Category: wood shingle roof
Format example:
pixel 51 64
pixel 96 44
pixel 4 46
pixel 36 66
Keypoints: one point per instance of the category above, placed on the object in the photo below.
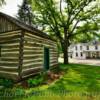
pixel 26 27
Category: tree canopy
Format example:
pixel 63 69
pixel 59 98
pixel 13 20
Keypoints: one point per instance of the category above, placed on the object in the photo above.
pixel 2 2
pixel 25 13
pixel 65 20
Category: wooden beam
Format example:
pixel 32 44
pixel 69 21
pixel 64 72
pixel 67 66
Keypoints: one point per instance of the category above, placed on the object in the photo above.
pixel 21 46
pixel 8 31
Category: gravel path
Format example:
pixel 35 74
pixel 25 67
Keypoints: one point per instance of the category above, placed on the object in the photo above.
pixel 87 61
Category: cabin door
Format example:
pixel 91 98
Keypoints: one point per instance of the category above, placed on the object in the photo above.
pixel 46 58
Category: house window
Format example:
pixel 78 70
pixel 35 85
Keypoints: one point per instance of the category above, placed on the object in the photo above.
pixel 80 47
pixel 87 47
pixel 81 54
pixel 71 56
pixel 76 47
pixel 76 54
pixel 96 47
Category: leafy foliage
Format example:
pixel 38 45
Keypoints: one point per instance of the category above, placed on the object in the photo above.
pixel 65 20
pixel 62 19
pixel 25 13
pixel 2 2
pixel 37 80
pixel 7 83
pixel 12 94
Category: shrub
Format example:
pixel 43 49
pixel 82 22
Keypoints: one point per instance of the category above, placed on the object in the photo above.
pixel 7 83
pixel 11 94
pixel 37 80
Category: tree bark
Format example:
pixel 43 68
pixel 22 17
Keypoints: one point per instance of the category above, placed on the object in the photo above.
pixel 66 61
pixel 65 52
pixel 66 44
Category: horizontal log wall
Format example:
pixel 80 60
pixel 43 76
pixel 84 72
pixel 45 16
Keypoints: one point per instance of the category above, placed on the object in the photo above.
pixel 6 26
pixel 33 58
pixel 9 60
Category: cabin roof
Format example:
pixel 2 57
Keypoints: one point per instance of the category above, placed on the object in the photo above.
pixel 26 27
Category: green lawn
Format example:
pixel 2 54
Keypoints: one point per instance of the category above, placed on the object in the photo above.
pixel 79 82
pixel 79 78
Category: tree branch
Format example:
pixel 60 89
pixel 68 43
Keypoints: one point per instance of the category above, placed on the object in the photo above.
pixel 81 8
pixel 75 26
pixel 62 19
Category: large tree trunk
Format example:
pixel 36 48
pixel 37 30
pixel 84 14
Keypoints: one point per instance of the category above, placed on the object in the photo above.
pixel 65 43
pixel 65 52
pixel 66 55
pixel 65 48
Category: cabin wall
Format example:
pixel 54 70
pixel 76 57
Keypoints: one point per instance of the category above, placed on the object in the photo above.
pixel 6 26
pixel 9 55
pixel 33 58
pixel 22 53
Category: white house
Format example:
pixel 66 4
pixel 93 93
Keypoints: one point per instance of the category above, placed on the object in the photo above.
pixel 89 50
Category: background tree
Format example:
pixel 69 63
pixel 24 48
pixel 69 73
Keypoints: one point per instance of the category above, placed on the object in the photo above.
pixel 25 13
pixel 61 18
pixel 2 2
pixel 88 32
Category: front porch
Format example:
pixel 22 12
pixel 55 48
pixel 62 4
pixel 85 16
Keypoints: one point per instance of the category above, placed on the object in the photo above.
pixel 92 55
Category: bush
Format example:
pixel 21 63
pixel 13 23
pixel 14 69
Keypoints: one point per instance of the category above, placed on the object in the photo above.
pixel 6 83
pixel 12 94
pixel 37 80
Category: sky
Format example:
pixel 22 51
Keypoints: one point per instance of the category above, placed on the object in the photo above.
pixel 11 7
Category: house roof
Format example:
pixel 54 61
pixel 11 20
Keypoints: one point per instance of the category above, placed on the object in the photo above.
pixel 26 27
pixel 86 44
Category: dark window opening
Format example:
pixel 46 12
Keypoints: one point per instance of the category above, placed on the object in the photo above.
pixel 80 47
pixel 76 54
pixel 71 56
pixel 81 54
pixel 96 47
pixel 87 47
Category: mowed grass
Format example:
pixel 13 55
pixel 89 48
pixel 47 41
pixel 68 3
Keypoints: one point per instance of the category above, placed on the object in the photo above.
pixel 79 82
pixel 79 78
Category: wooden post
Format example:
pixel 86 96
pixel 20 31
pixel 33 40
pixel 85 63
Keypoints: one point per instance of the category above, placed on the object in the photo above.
pixel 21 46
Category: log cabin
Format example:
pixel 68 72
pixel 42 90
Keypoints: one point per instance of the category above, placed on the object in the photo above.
pixel 24 50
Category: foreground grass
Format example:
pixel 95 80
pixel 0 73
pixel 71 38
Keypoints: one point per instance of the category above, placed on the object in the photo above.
pixel 79 82
pixel 79 78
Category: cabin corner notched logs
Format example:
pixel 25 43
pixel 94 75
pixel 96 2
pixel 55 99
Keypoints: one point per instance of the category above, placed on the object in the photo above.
pixel 22 49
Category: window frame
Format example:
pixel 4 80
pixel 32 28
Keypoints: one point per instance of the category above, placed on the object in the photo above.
pixel 75 47
pixel 81 47
pixel 87 47
pixel 76 54
pixel 96 47
pixel 81 54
